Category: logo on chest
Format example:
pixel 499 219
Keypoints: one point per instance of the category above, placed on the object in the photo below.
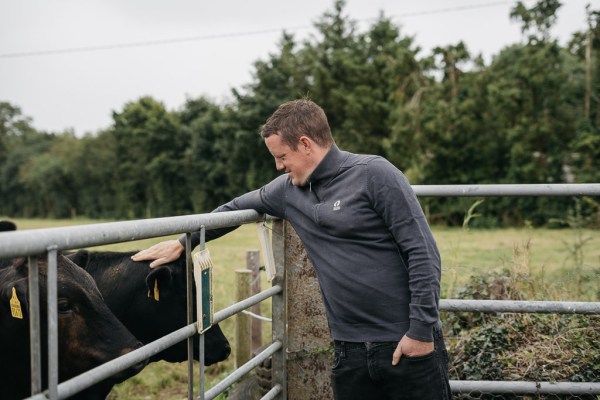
pixel 337 205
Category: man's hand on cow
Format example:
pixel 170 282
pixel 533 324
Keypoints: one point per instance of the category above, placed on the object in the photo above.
pixel 162 253
pixel 411 348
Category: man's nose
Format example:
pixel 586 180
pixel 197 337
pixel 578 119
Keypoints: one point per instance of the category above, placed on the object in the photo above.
pixel 279 165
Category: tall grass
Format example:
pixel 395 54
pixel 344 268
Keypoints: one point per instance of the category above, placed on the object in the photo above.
pixel 465 253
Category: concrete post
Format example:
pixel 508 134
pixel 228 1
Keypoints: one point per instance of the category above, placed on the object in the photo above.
pixel 309 348
pixel 279 359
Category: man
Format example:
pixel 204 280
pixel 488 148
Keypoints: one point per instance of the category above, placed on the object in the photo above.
pixel 375 256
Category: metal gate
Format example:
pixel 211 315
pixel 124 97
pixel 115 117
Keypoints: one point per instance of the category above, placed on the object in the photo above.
pixel 48 242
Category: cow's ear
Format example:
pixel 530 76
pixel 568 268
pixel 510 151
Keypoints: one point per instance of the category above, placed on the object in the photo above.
pixel 80 258
pixel 158 282
pixel 21 267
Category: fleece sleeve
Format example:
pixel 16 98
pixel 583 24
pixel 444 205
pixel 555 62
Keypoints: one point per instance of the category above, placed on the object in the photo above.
pixel 395 201
pixel 267 200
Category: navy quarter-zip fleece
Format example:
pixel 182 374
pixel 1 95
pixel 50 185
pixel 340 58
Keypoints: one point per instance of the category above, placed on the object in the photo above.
pixel 363 228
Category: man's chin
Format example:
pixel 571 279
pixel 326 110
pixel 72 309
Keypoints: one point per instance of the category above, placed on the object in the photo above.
pixel 298 182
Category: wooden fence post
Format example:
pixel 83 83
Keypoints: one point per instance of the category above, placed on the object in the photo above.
pixel 253 264
pixel 243 339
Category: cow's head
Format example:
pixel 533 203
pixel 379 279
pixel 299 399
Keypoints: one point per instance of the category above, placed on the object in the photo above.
pixel 88 332
pixel 167 291
pixel 151 302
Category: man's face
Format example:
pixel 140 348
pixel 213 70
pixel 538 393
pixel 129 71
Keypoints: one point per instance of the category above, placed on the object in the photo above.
pixel 296 163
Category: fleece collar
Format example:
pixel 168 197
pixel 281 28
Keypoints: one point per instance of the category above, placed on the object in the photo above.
pixel 329 166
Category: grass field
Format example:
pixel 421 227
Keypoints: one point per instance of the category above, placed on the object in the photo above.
pixel 566 262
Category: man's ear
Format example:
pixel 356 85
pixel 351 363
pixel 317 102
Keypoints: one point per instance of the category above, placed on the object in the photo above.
pixel 305 143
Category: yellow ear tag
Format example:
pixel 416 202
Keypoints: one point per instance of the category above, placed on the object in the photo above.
pixel 15 305
pixel 156 296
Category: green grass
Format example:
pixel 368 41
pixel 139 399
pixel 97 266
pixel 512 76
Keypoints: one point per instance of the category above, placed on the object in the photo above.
pixel 543 252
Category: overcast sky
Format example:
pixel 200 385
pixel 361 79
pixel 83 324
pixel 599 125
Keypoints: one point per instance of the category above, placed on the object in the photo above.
pixel 191 48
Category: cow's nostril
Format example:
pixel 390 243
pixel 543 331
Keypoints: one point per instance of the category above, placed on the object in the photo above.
pixel 140 366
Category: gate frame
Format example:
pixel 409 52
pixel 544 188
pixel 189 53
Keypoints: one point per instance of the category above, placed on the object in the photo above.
pixel 50 241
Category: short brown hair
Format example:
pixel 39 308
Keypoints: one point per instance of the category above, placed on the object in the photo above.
pixel 296 118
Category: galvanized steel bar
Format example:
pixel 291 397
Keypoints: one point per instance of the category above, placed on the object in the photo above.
pixel 95 375
pixel 241 371
pixel 249 302
pixel 273 393
pixel 202 348
pixel 36 241
pixel 189 281
pixel 35 355
pixel 520 387
pixel 52 324
pixel 510 306
pixel 511 190
pixel 201 340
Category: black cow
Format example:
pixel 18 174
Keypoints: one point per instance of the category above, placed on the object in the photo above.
pixel 7 226
pixel 88 332
pixel 128 289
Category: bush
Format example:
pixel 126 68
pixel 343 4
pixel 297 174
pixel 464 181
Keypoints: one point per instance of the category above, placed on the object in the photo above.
pixel 520 347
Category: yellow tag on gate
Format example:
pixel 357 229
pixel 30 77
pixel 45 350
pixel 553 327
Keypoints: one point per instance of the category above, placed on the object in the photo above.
pixel 156 294
pixel 15 305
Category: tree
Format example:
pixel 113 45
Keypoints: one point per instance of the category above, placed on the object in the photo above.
pixel 92 163
pixel 334 72
pixel 536 100
pixel 47 179
pixel 12 124
pixel 537 20
pixel 283 76
pixel 585 46
pixel 150 150
pixel 205 125
pixel 19 141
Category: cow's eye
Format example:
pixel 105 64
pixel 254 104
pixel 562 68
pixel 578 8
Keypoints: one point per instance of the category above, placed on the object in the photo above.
pixel 64 306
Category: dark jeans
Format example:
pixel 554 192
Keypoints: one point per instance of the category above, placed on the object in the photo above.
pixel 364 371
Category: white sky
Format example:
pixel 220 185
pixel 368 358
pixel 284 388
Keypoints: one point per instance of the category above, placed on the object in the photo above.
pixel 79 90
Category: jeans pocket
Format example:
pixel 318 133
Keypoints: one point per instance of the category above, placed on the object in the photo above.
pixel 424 357
pixel 337 359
